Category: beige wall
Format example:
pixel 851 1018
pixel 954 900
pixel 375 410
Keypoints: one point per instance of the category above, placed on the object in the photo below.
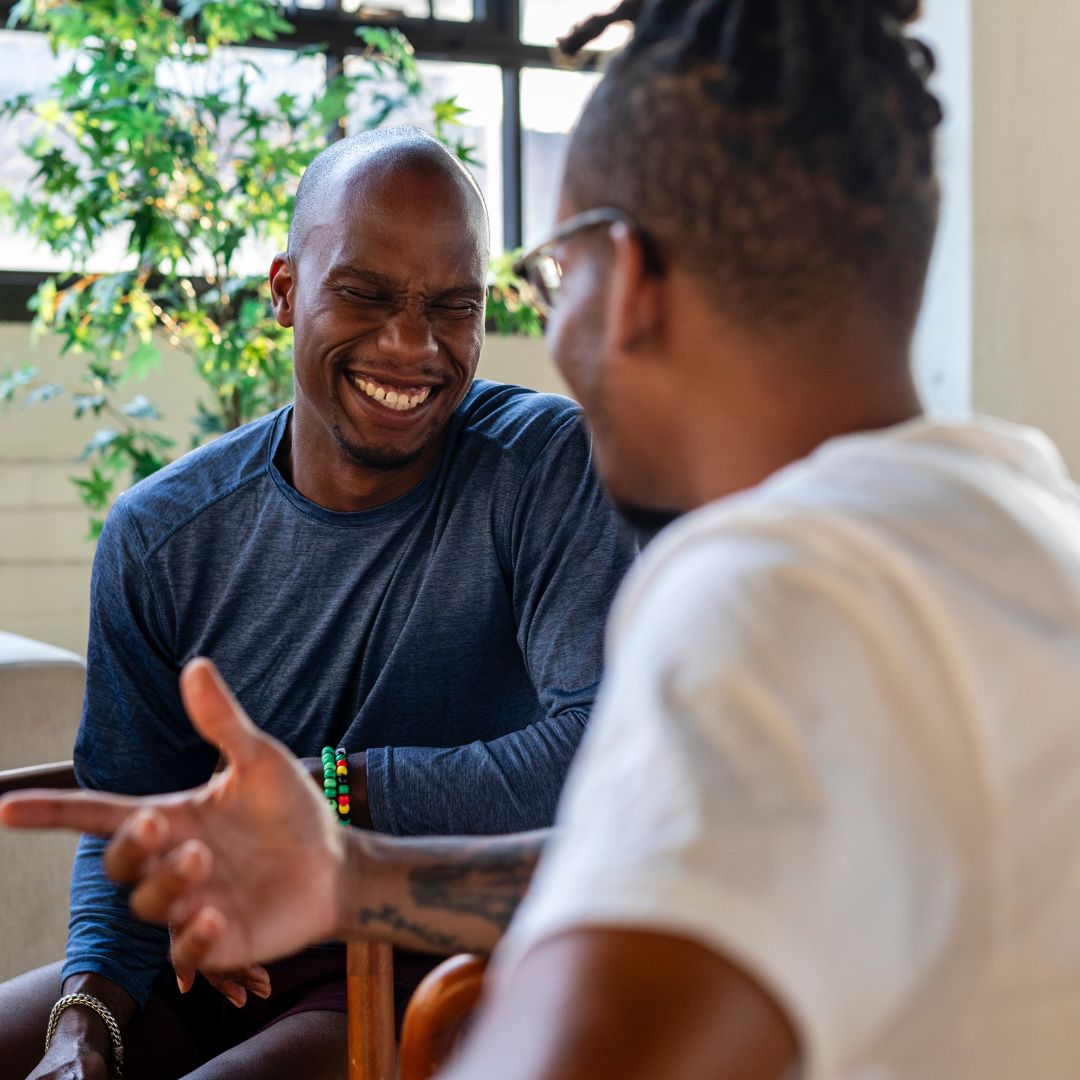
pixel 44 556
pixel 1026 198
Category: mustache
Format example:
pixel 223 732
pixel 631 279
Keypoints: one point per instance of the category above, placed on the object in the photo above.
pixel 646 522
pixel 354 360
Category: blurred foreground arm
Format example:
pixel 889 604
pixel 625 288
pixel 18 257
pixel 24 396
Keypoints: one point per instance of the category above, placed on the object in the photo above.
pixel 251 866
pixel 600 1003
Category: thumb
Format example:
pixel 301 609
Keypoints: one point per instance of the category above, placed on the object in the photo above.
pixel 217 715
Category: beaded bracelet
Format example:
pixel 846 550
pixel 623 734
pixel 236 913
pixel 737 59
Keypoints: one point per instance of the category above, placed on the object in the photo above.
pixel 330 783
pixel 342 772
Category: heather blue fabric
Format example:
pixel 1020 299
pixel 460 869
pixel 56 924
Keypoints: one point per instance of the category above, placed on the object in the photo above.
pixel 454 633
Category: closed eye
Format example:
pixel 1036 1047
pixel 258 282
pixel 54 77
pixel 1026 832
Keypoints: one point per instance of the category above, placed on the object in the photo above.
pixel 455 308
pixel 368 297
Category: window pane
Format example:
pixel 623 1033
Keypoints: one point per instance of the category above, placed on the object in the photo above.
pixel 26 67
pixel 542 21
pixel 477 88
pixel 551 102
pixel 455 10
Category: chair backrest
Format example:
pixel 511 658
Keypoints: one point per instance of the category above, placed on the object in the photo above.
pixel 439 1013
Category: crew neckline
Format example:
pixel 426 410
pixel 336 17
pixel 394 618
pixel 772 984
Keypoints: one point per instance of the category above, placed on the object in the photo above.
pixel 350 519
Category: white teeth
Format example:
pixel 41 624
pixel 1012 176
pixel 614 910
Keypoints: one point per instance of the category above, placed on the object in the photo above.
pixel 394 399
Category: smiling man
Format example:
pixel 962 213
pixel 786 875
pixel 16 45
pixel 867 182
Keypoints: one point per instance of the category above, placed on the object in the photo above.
pixel 405 563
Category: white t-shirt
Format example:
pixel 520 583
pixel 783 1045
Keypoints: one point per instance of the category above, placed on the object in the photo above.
pixel 839 743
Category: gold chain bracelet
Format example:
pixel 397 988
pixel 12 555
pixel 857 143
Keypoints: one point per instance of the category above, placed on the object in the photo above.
pixel 90 1002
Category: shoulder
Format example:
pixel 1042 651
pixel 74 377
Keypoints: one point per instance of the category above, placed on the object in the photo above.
pixel 157 507
pixel 896 506
pixel 837 538
pixel 516 422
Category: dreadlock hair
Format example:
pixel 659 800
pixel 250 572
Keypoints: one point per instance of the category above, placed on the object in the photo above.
pixel 782 151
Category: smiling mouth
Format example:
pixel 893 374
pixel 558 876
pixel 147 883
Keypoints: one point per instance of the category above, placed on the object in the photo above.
pixel 398 398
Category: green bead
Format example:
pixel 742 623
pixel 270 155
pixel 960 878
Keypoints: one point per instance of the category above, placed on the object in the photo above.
pixel 343 789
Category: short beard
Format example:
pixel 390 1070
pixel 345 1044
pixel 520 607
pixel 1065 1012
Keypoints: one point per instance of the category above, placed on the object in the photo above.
pixel 645 523
pixel 370 457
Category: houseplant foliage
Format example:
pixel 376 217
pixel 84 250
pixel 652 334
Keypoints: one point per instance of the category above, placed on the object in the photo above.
pixel 159 140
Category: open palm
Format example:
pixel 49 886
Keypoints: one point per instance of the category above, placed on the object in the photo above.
pixel 245 868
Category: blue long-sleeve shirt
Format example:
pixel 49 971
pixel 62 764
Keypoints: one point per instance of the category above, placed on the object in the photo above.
pixel 455 633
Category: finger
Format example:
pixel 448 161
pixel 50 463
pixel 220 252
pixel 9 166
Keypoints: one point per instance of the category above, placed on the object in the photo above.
pixel 177 875
pixel 138 840
pixel 217 715
pixel 82 811
pixel 185 976
pixel 255 978
pixel 196 939
pixel 185 973
pixel 228 988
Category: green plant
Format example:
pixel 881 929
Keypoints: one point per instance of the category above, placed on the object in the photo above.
pixel 156 138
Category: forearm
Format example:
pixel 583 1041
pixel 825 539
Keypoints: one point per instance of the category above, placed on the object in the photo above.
pixel 444 895
pixel 507 785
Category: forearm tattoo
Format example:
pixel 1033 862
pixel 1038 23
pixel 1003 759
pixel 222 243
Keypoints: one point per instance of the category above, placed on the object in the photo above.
pixel 389 917
pixel 487 885
pixel 450 881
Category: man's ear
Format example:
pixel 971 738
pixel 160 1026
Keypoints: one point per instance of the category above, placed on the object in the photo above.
pixel 282 288
pixel 635 307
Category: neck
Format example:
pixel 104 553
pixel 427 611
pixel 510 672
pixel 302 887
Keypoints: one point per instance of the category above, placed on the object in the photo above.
pixel 785 401
pixel 320 470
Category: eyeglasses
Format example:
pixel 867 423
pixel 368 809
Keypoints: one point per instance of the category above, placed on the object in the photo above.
pixel 541 270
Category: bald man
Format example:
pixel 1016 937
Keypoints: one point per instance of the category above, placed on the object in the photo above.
pixel 406 562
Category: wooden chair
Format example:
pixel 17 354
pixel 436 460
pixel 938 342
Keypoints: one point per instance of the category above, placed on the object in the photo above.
pixel 438 1015
pixel 369 965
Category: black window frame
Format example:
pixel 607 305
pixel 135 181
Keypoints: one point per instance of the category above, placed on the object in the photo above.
pixel 492 37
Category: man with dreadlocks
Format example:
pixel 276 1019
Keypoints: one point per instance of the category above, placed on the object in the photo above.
pixel 825 820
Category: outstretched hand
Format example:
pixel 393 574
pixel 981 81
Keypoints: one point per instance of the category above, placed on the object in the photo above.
pixel 246 868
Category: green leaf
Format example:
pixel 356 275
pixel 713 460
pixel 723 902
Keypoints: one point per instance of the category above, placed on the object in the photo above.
pixel 40 394
pixel 95 490
pixel 105 438
pixel 145 358
pixel 141 408
pixel 85 403
pixel 16 380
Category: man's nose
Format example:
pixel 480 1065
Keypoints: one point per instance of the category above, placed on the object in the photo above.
pixel 407 335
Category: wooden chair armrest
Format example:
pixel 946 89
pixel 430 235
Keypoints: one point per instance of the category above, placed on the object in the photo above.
pixel 56 774
pixel 438 1014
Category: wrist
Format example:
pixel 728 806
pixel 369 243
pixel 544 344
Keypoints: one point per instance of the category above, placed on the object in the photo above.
pixel 114 997
pixel 358 875
pixel 360 810
pixel 82 1032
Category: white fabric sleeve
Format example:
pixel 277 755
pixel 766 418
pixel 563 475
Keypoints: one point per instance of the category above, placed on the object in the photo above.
pixel 771 772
